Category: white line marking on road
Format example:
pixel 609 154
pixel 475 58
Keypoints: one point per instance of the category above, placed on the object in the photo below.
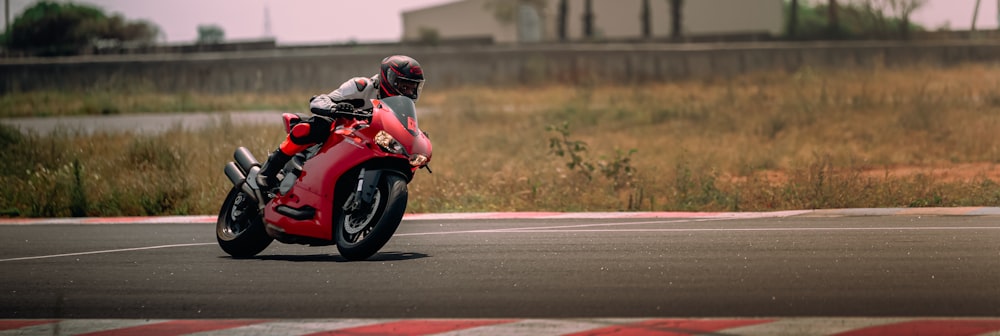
pixel 541 228
pixel 106 251
pixel 579 228
pixel 756 229
pixel 582 228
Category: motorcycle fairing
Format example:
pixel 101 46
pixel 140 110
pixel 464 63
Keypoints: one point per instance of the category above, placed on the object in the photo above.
pixel 348 148
pixel 316 190
pixel 402 121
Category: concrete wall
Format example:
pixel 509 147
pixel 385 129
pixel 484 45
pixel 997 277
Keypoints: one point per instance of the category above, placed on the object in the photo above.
pixel 321 70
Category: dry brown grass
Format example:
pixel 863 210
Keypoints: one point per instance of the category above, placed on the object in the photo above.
pixel 811 139
pixel 758 142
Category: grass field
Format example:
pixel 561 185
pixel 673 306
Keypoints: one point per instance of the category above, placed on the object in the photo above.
pixel 911 137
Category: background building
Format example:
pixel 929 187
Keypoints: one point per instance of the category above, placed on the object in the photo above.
pixel 525 21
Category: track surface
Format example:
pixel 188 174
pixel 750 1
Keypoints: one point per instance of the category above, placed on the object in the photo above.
pixel 843 272
pixel 802 266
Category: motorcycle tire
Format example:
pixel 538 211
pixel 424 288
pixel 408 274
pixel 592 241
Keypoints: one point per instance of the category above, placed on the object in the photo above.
pixel 240 229
pixel 363 239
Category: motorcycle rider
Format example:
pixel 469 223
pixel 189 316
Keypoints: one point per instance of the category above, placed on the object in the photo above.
pixel 398 75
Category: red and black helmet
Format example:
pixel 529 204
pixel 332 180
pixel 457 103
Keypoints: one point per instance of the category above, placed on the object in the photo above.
pixel 401 75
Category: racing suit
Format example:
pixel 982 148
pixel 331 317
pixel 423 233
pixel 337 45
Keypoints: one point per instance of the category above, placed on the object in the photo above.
pixel 354 94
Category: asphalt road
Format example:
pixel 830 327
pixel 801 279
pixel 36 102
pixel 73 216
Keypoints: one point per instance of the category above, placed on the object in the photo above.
pixel 939 266
pixel 142 123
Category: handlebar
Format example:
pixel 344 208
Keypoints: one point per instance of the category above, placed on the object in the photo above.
pixel 353 114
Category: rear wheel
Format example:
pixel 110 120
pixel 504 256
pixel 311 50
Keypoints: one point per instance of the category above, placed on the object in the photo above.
pixel 361 234
pixel 240 229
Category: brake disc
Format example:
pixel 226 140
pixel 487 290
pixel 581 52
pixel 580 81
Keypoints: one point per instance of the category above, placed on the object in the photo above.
pixel 352 224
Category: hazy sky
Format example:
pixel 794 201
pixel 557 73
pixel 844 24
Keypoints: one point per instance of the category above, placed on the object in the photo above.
pixel 310 21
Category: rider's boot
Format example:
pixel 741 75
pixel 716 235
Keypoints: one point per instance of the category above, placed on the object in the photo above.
pixel 267 179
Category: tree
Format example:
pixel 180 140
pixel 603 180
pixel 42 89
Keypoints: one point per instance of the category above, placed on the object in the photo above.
pixel 833 24
pixel 563 14
pixel 902 9
pixel 51 29
pixel 645 16
pixel 588 19
pixel 833 21
pixel 54 29
pixel 883 14
pixel 975 16
pixel 794 12
pixel 855 19
pixel 676 16
pixel 793 18
pixel 210 34
pixel 116 32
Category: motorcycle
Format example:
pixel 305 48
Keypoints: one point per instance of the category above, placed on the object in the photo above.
pixel 349 191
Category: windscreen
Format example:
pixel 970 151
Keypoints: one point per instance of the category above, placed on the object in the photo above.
pixel 405 111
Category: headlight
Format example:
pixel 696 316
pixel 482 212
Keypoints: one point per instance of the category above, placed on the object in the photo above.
pixel 418 160
pixel 388 143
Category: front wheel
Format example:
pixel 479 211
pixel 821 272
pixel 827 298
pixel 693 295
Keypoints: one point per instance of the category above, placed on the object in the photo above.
pixel 240 229
pixel 361 234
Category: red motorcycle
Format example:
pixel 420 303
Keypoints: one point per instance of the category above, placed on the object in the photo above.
pixel 349 191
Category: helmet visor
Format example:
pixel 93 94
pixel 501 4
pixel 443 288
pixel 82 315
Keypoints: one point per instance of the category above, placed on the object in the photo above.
pixel 408 87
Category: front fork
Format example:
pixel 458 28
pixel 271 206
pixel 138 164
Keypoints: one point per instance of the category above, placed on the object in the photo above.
pixel 365 193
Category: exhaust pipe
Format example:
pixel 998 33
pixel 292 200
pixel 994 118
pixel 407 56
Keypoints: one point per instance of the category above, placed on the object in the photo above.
pixel 245 160
pixel 235 174
pixel 239 179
